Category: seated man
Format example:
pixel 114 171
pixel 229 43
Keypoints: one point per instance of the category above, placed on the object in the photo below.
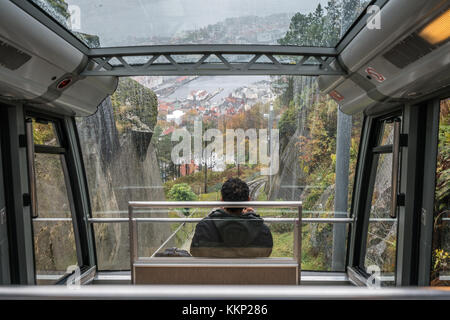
pixel 232 232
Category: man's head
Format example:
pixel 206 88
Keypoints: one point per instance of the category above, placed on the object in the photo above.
pixel 235 189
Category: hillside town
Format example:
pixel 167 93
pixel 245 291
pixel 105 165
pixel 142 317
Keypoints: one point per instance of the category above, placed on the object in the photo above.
pixel 209 103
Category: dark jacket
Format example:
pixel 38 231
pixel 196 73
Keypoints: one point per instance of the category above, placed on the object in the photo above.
pixel 223 235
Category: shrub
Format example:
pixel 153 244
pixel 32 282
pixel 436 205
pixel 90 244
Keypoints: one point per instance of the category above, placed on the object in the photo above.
pixel 182 192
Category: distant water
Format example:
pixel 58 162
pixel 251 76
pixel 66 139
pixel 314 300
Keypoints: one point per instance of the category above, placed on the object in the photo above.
pixel 212 83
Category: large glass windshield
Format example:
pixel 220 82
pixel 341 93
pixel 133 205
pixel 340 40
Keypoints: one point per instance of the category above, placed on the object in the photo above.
pixel 181 138
pixel 111 23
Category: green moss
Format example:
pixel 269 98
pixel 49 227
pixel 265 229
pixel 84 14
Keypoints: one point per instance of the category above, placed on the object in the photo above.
pixel 134 105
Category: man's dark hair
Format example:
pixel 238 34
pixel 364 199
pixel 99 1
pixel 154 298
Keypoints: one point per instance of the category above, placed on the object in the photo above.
pixel 234 189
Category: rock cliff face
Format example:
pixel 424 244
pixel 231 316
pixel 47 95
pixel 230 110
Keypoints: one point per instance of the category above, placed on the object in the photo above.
pixel 285 183
pixel 121 167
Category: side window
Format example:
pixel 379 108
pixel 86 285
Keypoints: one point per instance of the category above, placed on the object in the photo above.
pixel 53 228
pixel 381 235
pixel 381 239
pixel 440 265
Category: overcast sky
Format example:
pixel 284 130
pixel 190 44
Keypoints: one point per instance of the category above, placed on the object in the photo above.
pixel 119 19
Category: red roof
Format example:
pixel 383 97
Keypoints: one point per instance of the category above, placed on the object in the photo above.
pixel 168 131
pixel 230 99
pixel 180 79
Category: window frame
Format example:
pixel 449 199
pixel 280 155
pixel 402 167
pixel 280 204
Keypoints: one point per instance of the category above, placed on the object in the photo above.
pixel 375 151
pixel 429 191
pixel 361 202
pixel 74 177
pixel 417 171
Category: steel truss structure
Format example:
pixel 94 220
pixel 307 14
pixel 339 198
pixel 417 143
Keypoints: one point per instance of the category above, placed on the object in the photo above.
pixel 175 60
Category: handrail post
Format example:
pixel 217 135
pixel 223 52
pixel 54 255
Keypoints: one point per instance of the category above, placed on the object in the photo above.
pixel 395 168
pixel 31 167
pixel 133 240
pixel 298 242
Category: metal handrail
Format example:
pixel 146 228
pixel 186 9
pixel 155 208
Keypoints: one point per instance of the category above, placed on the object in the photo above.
pixel 212 204
pixel 195 220
pixel 234 292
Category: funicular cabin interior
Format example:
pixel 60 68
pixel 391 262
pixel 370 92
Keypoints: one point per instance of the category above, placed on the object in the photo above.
pixel 119 122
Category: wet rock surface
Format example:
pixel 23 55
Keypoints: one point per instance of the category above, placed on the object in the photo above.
pixel 121 166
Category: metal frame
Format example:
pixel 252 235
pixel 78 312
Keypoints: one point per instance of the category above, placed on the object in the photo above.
pixel 357 26
pixel 50 23
pixel 75 184
pixel 230 292
pixel 60 150
pixel 19 214
pixel 417 226
pixel 364 183
pixel 395 166
pixel 5 234
pixel 311 61
pixel 80 191
pixel 410 166
pixel 31 167
pixel 417 183
pixel 428 194
pixel 101 57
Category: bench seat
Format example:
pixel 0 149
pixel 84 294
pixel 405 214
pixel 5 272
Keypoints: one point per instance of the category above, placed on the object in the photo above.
pixel 191 270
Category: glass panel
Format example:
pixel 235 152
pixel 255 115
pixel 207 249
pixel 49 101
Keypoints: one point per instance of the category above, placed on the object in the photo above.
pixel 382 231
pixel 44 133
pixel 112 246
pixel 152 140
pixel 440 267
pixel 156 22
pixel 235 238
pixel 388 134
pixel 54 250
pixel 54 241
pixel 282 235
